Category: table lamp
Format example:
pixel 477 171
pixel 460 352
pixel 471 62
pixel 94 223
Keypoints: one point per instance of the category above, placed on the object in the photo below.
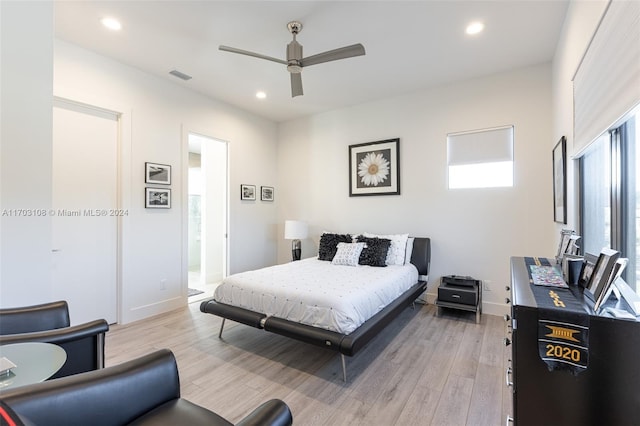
pixel 295 230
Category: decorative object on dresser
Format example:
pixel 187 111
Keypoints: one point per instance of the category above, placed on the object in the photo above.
pixel 568 244
pixel 460 292
pixel 324 304
pixel 295 230
pixel 374 168
pixel 580 370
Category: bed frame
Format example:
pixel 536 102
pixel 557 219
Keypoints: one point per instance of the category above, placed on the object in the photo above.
pixel 346 344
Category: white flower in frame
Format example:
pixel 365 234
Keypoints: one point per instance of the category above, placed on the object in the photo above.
pixel 373 169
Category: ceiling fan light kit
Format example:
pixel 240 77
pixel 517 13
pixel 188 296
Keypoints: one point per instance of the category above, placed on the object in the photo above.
pixel 295 61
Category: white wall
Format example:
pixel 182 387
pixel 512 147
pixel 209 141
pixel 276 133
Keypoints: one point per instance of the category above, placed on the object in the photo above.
pixel 159 114
pixel 26 117
pixel 580 23
pixel 474 232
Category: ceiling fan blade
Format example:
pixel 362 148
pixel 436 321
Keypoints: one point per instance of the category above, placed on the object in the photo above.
pixel 333 55
pixel 296 84
pixel 255 55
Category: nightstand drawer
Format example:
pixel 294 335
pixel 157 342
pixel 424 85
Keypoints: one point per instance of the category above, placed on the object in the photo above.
pixel 458 294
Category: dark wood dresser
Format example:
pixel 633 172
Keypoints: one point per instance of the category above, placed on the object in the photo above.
pixel 606 393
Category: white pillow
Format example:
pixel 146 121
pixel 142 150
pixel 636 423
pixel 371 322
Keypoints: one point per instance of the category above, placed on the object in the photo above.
pixel 397 249
pixel 348 254
pixel 409 251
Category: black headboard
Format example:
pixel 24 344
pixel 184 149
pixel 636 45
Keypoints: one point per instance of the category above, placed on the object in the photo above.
pixel 421 255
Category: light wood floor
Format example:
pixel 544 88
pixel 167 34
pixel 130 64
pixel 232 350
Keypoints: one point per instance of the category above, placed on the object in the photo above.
pixel 422 369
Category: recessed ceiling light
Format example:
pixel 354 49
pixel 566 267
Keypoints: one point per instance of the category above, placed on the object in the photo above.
pixel 112 24
pixel 261 95
pixel 475 28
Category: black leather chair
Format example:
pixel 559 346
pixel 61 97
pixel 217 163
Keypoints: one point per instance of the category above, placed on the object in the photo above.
pixel 49 323
pixel 144 391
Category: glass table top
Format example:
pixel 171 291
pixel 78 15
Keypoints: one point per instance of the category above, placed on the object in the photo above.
pixel 35 362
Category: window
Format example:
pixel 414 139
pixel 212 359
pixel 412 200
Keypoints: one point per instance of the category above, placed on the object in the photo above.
pixel 609 207
pixel 480 159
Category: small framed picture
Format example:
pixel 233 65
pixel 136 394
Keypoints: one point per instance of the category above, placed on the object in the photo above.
pixel 157 198
pixel 248 192
pixel 601 276
pixel 587 269
pixel 157 173
pixel 565 240
pixel 266 193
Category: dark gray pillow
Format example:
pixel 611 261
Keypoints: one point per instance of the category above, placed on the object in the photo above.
pixel 329 245
pixel 374 252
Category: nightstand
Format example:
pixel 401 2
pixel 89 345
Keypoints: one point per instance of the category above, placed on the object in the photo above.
pixel 460 292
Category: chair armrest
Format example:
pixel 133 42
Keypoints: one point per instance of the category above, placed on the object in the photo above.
pixel 115 395
pixel 272 413
pixel 84 345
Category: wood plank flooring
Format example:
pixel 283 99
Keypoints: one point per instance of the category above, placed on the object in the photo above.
pixel 422 369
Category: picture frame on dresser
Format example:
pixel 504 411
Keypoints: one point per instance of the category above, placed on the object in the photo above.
pixel 601 277
pixel 565 242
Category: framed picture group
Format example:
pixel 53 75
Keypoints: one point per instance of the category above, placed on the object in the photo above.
pixel 248 193
pixel 157 197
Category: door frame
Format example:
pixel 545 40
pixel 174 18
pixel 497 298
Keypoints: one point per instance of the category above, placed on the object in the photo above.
pixel 123 128
pixel 186 131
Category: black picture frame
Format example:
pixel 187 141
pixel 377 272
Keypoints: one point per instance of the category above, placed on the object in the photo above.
pixel 157 198
pixel 565 239
pixel 374 168
pixel 587 269
pixel 601 277
pixel 157 174
pixel 266 193
pixel 559 155
pixel 247 192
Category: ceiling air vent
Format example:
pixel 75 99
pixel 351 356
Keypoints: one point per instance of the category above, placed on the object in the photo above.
pixel 181 75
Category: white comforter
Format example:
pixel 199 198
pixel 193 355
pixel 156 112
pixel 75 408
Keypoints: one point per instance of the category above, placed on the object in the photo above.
pixel 317 293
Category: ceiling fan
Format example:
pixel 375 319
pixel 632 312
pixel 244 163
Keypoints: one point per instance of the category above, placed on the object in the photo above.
pixel 295 62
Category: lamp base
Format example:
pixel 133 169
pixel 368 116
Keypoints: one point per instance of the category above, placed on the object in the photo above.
pixel 296 249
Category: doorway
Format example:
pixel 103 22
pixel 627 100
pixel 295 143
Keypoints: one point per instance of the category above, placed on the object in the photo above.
pixel 207 215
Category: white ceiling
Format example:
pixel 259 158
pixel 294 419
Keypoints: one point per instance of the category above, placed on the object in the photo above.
pixel 410 45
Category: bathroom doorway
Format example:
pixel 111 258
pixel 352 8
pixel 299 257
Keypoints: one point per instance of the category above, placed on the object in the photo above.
pixel 207 219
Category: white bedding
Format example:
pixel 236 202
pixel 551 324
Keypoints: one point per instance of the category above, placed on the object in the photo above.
pixel 317 293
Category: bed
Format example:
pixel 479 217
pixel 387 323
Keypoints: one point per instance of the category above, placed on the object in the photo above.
pixel 378 295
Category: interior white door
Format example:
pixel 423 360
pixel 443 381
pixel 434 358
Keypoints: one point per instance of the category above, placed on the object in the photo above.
pixel 85 221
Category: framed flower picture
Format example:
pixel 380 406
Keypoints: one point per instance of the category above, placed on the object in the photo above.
pixel 374 168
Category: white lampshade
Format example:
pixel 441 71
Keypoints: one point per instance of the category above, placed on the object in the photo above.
pixel 295 230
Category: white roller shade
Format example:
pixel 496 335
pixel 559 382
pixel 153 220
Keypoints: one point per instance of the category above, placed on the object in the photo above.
pixel 607 83
pixel 482 146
